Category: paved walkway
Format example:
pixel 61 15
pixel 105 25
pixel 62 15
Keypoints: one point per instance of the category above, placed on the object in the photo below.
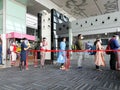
pixel 51 78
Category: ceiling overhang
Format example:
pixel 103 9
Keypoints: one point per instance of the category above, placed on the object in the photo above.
pixel 87 8
pixel 26 2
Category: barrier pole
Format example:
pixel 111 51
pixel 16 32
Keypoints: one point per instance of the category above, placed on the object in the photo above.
pixel 27 61
pixel 35 60
pixel 67 63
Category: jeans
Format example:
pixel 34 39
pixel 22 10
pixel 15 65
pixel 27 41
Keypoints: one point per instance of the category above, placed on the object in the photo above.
pixel 113 59
pixel 80 58
pixel 0 59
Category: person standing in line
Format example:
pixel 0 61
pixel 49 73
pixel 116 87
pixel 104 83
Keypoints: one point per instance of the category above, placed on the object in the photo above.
pixel 114 45
pixel 13 53
pixel 23 53
pixel 1 53
pixel 43 47
pixel 79 45
pixel 95 42
pixel 62 54
pixel 99 56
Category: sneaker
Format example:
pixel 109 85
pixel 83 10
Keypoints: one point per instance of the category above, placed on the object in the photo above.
pixel 99 69
pixel 80 67
pixel 62 67
pixel 118 69
pixel 20 68
pixel 35 66
pixel 26 69
pixel 42 66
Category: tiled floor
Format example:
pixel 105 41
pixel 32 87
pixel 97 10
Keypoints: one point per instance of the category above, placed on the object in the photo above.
pixel 51 78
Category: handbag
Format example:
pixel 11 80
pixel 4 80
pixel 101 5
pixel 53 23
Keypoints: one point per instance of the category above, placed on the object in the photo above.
pixel 60 59
pixel 108 48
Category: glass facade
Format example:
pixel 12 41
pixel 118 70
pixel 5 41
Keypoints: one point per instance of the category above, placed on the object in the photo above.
pixel 15 17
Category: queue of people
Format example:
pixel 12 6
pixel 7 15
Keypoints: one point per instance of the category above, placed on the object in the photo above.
pixel 23 52
pixel 99 56
pixel 25 45
pixel 99 59
pixel 114 61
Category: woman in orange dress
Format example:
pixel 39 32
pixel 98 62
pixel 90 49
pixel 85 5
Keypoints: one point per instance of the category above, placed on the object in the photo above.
pixel 99 56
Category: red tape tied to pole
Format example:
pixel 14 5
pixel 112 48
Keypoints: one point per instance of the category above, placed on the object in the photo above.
pixel 73 50
pixel 67 64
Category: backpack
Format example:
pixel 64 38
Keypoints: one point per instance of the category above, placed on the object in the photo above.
pixel 74 47
pixel 93 52
pixel 77 45
pixel 108 48
pixel 14 48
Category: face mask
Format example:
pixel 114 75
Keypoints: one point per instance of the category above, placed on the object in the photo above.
pixel 117 38
pixel 100 41
pixel 82 37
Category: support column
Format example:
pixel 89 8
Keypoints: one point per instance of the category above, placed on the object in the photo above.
pixel 14 20
pixel 70 40
pixel 4 34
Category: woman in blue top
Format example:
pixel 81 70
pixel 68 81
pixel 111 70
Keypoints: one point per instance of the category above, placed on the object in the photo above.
pixel 62 54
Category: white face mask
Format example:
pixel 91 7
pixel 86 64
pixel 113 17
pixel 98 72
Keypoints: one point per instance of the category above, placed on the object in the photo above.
pixel 13 43
pixel 21 40
pixel 100 41
pixel 117 37
pixel 82 37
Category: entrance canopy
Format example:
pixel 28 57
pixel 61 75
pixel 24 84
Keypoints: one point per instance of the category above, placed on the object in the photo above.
pixel 20 36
